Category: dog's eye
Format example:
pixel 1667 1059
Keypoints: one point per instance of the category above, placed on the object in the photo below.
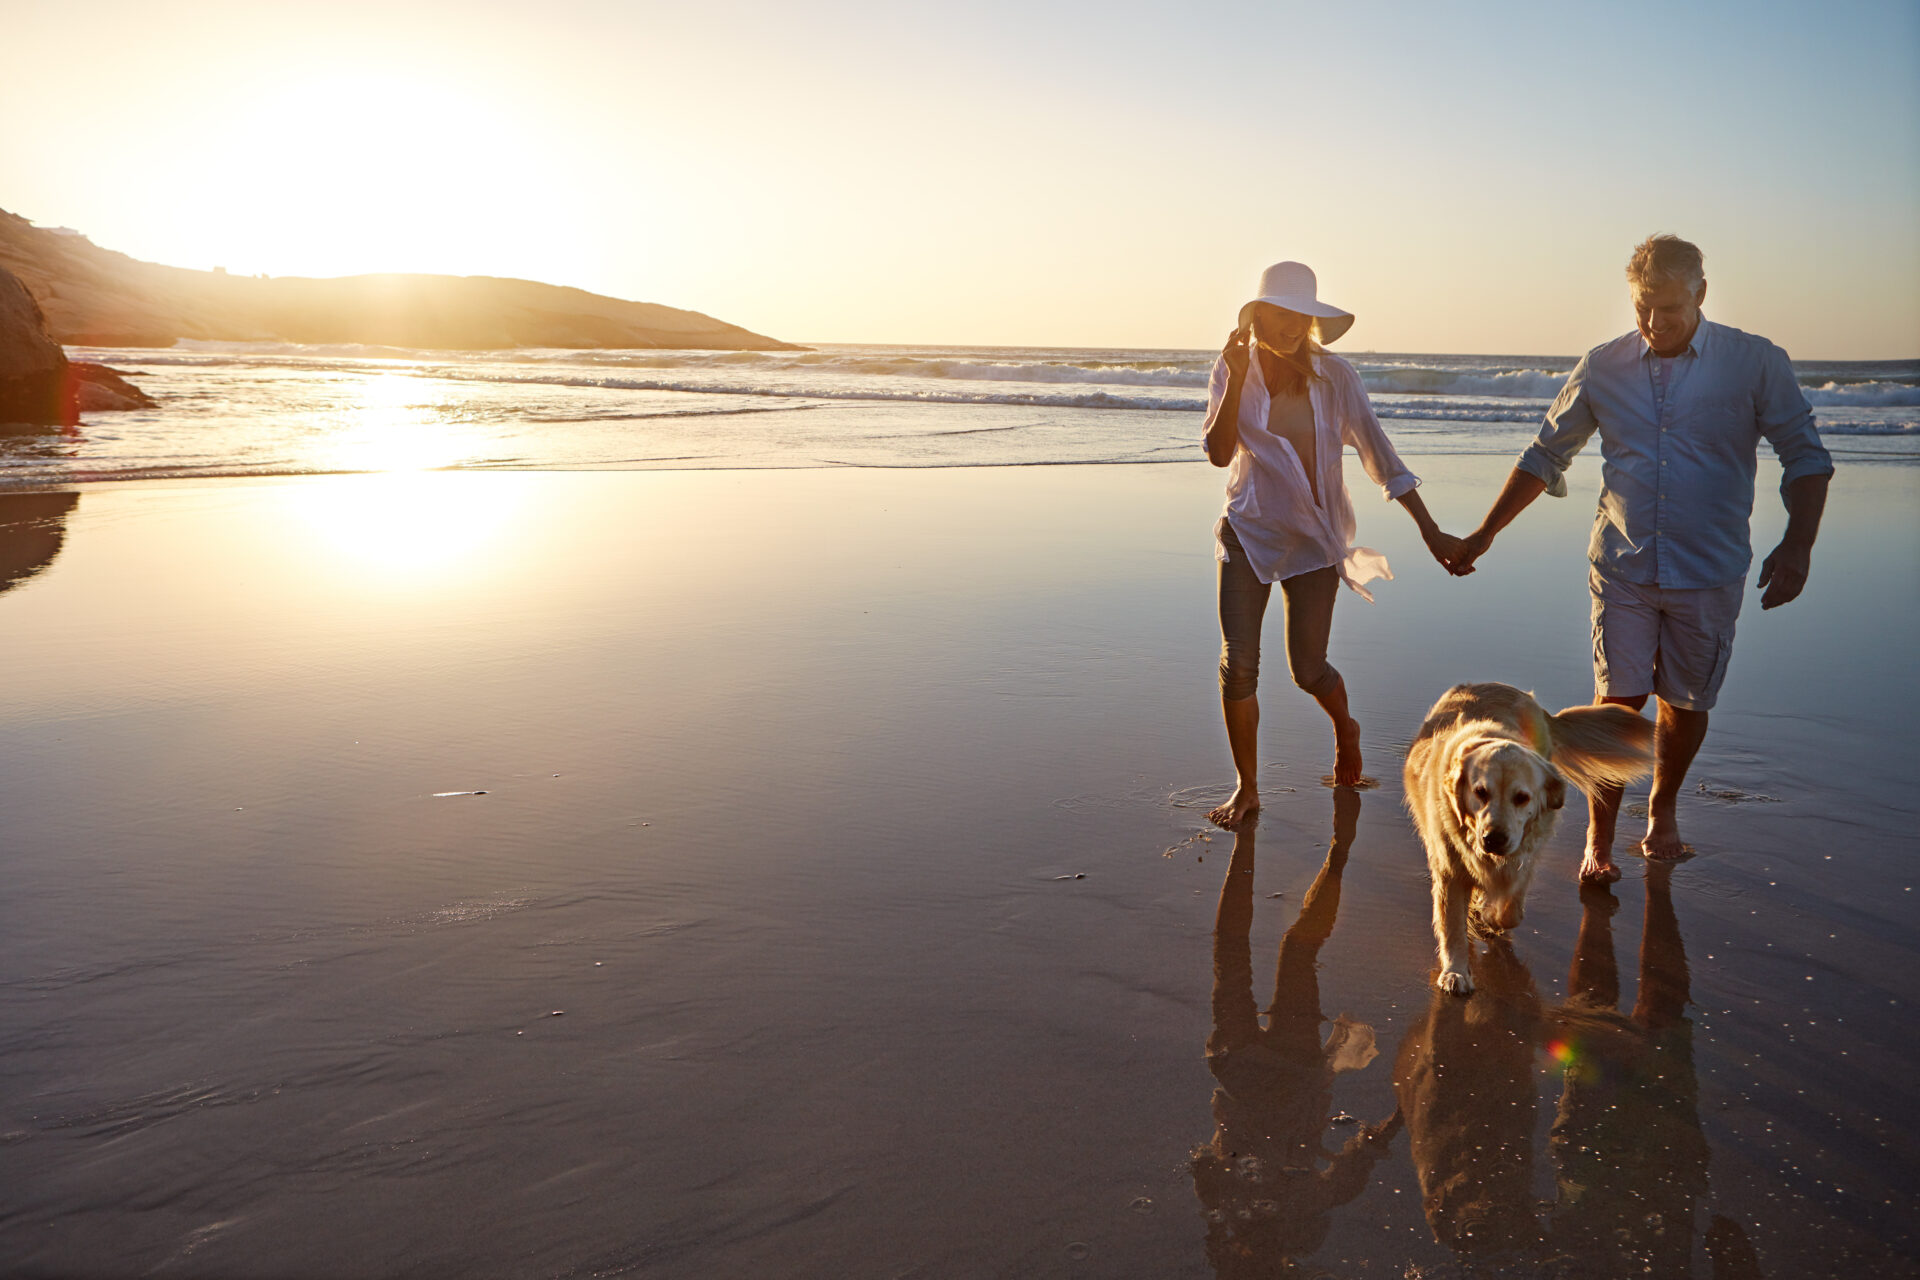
pixel 1481 793
pixel 1519 797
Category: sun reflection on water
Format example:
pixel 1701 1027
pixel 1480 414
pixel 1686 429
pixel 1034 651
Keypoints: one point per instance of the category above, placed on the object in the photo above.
pixel 408 525
pixel 390 422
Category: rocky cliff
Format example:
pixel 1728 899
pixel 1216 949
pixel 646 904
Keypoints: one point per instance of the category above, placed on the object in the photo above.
pixel 34 385
pixel 96 297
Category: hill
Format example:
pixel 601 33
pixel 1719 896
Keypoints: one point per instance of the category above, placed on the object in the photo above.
pixel 96 297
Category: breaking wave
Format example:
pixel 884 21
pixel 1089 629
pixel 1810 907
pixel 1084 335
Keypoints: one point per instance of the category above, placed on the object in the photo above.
pixel 1531 384
pixel 841 373
pixel 1865 395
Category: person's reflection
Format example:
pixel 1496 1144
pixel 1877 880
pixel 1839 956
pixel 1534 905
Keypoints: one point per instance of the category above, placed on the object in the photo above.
pixel 1626 1141
pixel 1632 1160
pixel 33 526
pixel 1260 1179
pixel 1464 1078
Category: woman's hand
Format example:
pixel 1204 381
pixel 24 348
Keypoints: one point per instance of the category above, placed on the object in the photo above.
pixel 1222 436
pixel 1447 549
pixel 1237 353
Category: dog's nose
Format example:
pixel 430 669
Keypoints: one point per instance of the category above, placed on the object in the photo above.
pixel 1494 841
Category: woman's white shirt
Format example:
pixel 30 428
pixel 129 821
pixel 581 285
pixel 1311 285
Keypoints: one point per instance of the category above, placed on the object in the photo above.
pixel 1269 502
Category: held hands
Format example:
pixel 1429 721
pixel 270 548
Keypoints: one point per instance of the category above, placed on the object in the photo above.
pixel 1466 551
pixel 1784 574
pixel 1446 548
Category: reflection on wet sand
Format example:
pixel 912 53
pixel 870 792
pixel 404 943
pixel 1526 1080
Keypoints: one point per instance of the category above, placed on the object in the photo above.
pixel 1630 1159
pixel 1266 1196
pixel 1464 1078
pixel 33 528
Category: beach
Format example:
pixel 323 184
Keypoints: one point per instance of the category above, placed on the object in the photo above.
pixel 802 871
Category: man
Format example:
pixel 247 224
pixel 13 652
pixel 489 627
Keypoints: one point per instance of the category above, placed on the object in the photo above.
pixel 1681 406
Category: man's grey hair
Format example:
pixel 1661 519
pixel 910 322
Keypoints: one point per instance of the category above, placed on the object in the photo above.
pixel 1664 260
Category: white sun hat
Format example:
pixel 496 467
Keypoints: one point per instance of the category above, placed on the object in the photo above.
pixel 1291 285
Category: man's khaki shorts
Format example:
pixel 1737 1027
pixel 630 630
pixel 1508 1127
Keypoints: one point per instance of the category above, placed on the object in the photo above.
pixel 1650 639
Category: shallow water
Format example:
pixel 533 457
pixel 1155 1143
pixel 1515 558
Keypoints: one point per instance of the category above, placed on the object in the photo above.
pixel 252 409
pixel 803 874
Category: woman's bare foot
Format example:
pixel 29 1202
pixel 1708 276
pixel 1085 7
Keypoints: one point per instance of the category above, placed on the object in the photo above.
pixel 1597 868
pixel 1346 754
pixel 1244 801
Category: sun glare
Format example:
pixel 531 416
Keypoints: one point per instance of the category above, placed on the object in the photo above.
pixel 350 170
pixel 388 422
pixel 406 527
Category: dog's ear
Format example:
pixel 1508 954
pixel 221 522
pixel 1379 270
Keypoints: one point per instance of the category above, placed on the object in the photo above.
pixel 1457 793
pixel 1556 789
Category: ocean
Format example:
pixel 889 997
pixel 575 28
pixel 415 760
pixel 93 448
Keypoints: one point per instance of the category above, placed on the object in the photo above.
pixel 248 409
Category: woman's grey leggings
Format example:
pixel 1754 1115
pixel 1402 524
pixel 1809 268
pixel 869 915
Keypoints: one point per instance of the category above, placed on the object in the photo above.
pixel 1243 604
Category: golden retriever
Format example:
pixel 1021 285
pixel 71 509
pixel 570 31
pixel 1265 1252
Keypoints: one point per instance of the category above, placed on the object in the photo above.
pixel 1486 778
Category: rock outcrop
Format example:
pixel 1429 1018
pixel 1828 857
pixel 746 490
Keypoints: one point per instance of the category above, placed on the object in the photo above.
pixel 97 389
pixel 34 385
pixel 96 297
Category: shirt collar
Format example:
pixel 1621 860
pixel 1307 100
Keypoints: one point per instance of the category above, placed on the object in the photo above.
pixel 1696 346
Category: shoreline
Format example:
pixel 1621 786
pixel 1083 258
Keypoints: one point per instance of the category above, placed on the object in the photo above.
pixel 858 406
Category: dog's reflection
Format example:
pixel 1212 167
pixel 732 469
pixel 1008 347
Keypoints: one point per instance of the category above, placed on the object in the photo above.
pixel 1630 1160
pixel 1464 1078
pixel 1267 1180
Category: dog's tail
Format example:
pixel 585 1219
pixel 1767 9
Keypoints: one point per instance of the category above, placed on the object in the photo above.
pixel 1602 745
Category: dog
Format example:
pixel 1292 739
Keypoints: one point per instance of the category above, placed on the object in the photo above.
pixel 1486 779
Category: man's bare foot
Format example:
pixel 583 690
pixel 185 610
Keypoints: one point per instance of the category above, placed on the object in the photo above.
pixel 1346 754
pixel 1662 842
pixel 1244 801
pixel 1664 845
pixel 1597 869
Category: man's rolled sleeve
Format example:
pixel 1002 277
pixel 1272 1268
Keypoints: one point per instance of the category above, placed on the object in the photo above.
pixel 1568 426
pixel 1786 420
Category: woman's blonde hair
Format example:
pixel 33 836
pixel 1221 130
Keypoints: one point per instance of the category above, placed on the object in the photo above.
pixel 1296 369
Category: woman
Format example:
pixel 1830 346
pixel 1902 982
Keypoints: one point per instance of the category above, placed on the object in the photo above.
pixel 1279 409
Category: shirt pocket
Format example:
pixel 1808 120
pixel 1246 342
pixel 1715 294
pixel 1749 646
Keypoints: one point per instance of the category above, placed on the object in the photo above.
pixel 1722 418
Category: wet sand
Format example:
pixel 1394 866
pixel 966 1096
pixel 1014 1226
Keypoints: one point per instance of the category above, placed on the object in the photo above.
pixel 804 874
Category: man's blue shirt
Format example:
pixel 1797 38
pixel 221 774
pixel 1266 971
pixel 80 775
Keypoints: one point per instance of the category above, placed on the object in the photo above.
pixel 1679 447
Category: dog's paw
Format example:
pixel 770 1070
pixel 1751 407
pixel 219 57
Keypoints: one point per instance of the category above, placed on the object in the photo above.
pixel 1480 926
pixel 1455 982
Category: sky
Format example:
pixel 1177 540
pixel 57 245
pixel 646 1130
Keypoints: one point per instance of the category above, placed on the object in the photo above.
pixel 1464 178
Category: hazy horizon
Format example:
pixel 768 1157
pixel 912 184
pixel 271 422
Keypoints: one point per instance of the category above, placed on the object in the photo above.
pixel 1466 182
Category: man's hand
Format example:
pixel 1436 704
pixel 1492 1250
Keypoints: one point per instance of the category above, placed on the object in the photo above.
pixel 1237 352
pixel 1784 573
pixel 1470 549
pixel 1521 488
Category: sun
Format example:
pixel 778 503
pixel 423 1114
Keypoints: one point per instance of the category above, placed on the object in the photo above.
pixel 344 171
